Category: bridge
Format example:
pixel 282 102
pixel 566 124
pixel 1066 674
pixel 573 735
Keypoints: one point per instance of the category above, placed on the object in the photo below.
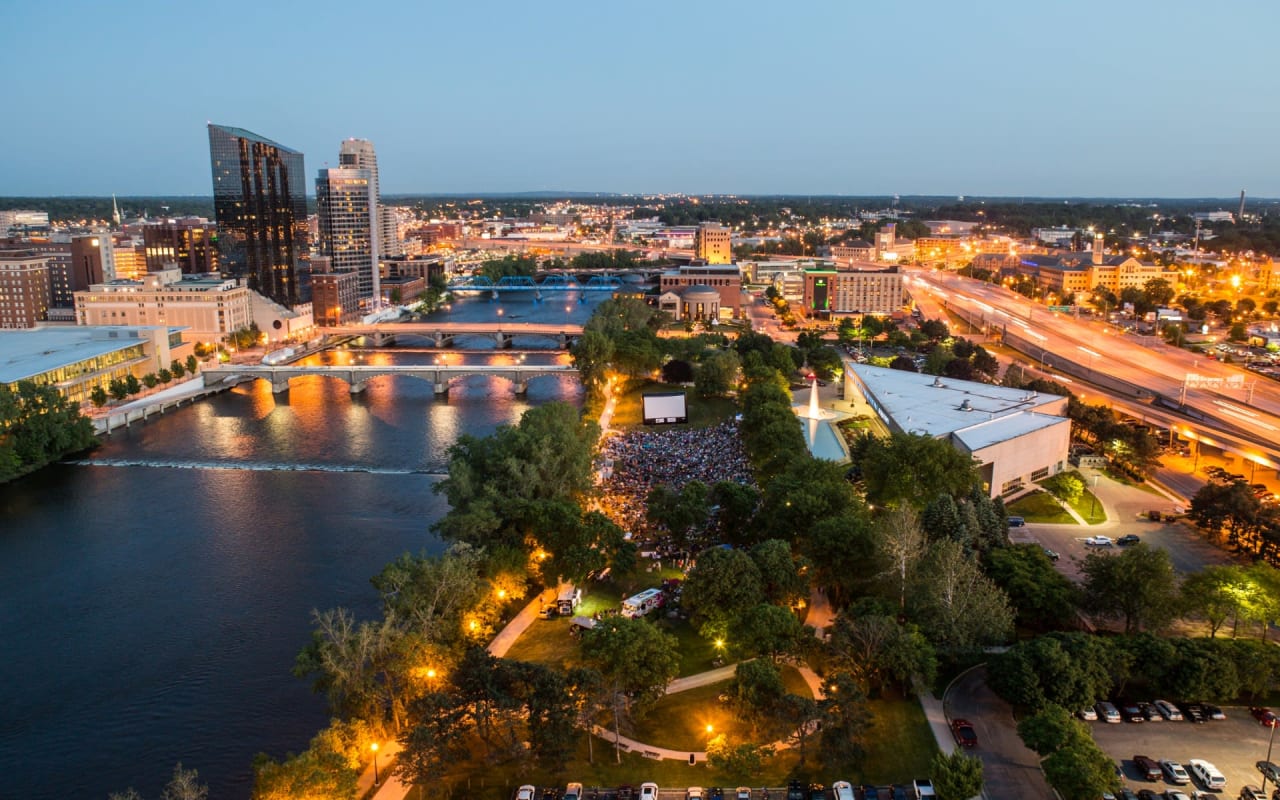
pixel 358 377
pixel 443 333
pixel 479 284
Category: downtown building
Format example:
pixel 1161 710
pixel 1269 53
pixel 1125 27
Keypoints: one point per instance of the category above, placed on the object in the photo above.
pixel 24 289
pixel 861 288
pixel 347 215
pixel 260 202
pixel 359 154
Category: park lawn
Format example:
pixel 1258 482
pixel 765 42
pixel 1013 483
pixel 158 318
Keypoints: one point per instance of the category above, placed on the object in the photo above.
pixel 703 412
pixel 1089 509
pixel 900 745
pixel 1039 506
pixel 696 653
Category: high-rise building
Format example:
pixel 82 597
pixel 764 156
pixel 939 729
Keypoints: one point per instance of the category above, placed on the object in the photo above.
pixel 359 153
pixel 92 260
pixel 260 201
pixel 347 211
pixel 189 242
pixel 24 289
pixel 713 244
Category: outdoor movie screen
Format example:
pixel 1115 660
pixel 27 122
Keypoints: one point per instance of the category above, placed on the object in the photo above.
pixel 665 409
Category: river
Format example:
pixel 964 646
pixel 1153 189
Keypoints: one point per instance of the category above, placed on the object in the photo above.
pixel 153 596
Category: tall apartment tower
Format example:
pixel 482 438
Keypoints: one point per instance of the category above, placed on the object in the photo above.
pixel 347 212
pixel 713 244
pixel 260 200
pixel 359 153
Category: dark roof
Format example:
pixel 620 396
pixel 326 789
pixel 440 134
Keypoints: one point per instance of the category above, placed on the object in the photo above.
pixel 241 133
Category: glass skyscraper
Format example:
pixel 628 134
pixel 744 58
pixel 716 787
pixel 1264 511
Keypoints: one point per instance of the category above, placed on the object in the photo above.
pixel 260 200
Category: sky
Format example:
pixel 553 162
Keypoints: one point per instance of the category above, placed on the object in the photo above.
pixel 1124 98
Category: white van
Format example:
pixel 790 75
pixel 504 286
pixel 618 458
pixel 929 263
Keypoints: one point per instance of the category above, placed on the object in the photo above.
pixel 843 790
pixel 1169 710
pixel 1207 774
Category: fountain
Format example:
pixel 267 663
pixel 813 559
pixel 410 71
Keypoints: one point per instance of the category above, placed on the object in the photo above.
pixel 812 411
pixel 820 434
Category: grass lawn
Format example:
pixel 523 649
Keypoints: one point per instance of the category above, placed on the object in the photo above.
pixel 900 745
pixel 1039 507
pixel 696 653
pixel 702 412
pixel 1090 509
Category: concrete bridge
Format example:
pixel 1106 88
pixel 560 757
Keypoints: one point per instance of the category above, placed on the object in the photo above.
pixel 357 377
pixel 443 333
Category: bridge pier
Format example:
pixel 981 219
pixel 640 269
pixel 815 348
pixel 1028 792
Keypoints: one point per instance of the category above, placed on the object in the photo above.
pixel 384 339
pixel 522 388
pixel 443 340
pixel 504 340
pixel 279 385
pixel 441 387
pixel 357 387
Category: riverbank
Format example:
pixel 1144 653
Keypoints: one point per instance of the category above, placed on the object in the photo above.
pixel 170 398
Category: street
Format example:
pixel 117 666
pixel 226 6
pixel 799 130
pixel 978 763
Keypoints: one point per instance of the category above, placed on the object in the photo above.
pixel 1010 770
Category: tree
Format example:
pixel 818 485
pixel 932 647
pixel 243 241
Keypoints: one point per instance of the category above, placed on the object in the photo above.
pixel 184 785
pixel 164 375
pixel 1071 670
pixel 735 505
pixel 757 690
pixel 1214 593
pixel 1081 771
pixel 740 762
pixel 682 513
pixel 150 380
pixel 771 631
pixel 1136 586
pixel 329 767
pixel 632 656
pixel 37 426
pixel 677 371
pixel 1042 597
pixel 911 468
pixel 780 574
pixel 1050 729
pixel 722 586
pixel 956 776
pixel 119 389
pixel 717 374
pixel 1158 292
pixel 1066 486
pixel 903 363
pixel 132 384
pixel 98 397
pixel 192 364
pixel 902 545
pixel 591 356
pixel 844 718
pixel 957 606
pixel 878 650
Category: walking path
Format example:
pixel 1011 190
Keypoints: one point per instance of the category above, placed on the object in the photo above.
pixel 821 616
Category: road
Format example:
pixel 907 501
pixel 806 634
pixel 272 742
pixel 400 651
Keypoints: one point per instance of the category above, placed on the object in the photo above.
pixel 1010 770
pixel 1102 352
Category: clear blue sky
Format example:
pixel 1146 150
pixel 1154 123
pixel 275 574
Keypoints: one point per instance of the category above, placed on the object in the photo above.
pixel 997 97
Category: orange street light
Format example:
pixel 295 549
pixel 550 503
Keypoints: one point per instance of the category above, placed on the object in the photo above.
pixel 374 748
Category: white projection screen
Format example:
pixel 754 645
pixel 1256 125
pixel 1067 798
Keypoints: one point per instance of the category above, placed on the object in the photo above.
pixel 665 409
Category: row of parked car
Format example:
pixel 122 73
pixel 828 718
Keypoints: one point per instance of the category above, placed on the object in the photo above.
pixel 1207 775
pixel 1160 710
pixel 920 789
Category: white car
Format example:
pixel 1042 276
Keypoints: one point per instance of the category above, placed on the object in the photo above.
pixel 742 793
pixel 924 789
pixel 1098 541
pixel 648 791
pixel 1168 710
pixel 573 791
pixel 843 790
pixel 525 792
pixel 1174 772
pixel 694 793
pixel 1208 775
pixel 1088 714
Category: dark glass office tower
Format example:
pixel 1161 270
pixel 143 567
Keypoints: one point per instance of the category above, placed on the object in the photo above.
pixel 260 200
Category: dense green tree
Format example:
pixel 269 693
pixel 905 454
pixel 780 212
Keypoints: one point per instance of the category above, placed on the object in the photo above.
pixel 592 354
pixel 98 397
pixel 807 491
pixel 329 767
pixel 177 368
pixel 509 266
pixel 150 380
pixel 1136 586
pixel 826 363
pixel 741 762
pixel 911 468
pixel 1214 593
pixel 722 586
pixel 845 720
pixel 119 389
pixel 636 662
pixel 838 549
pixel 131 384
pixel 956 776
pixel 1051 728
pixel 780 572
pixel 1066 486
pixel 164 375
pixel 1042 597
pixel 1081 771
pixel 717 374
pixel 880 652
pixel 904 363
pixel 735 508
pixel 757 691
pixel 683 514
pixel 676 370
pixel 956 605
pixel 192 364
pixel 770 630
pixel 37 426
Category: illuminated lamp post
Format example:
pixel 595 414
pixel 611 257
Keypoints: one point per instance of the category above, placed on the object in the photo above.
pixel 374 748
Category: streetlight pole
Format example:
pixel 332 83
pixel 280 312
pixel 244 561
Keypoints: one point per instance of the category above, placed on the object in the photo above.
pixel 374 748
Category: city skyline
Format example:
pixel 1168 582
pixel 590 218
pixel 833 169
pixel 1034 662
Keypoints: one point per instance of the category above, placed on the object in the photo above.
pixel 1132 100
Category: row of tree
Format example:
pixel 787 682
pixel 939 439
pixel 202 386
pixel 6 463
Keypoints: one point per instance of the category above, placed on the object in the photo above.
pixel 120 388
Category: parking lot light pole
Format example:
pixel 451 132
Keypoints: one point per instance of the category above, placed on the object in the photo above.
pixel 1270 741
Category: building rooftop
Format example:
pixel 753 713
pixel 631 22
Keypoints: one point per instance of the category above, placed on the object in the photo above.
pixel 26 353
pixel 244 134
pixel 936 406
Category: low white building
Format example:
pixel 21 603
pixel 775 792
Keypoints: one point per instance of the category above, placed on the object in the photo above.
pixel 1015 436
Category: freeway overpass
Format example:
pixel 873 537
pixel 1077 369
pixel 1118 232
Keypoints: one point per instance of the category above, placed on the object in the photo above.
pixel 358 377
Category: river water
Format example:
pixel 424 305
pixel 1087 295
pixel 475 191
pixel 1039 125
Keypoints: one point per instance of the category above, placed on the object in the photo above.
pixel 154 595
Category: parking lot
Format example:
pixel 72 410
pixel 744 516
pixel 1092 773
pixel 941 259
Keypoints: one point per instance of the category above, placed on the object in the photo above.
pixel 1233 744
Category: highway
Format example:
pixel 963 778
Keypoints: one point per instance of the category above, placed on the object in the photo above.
pixel 1244 413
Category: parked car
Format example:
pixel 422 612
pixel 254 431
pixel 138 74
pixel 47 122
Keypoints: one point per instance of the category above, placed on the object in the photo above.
pixel 965 735
pixel 1175 772
pixel 1175 794
pixel 694 793
pixel 525 792
pixel 648 791
pixel 1264 716
pixel 1169 710
pixel 817 791
pixel 572 791
pixel 1016 522
pixel 1252 792
pixel 744 793
pixel 1128 539
pixel 1088 714
pixel 1127 794
pixel 1107 712
pixel 1150 712
pixel 924 789
pixel 795 791
pixel 1097 541
pixel 1213 712
pixel 1208 775
pixel 1270 770
pixel 1147 794
pixel 1193 712
pixel 1148 768
pixel 843 790
pixel 1131 713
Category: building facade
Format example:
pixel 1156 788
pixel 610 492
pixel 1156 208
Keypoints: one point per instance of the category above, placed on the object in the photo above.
pixel 347 213
pixel 190 242
pixel 725 279
pixel 260 202
pixel 24 289
pixel 335 298
pixel 862 289
pixel 713 244
pixel 359 154
pixel 207 307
